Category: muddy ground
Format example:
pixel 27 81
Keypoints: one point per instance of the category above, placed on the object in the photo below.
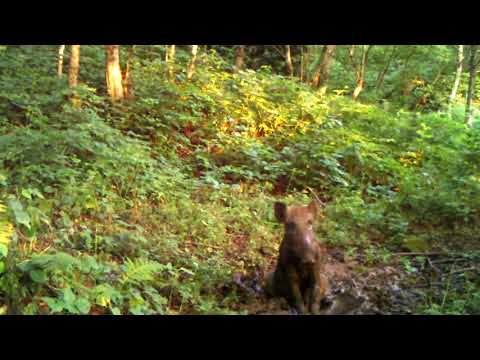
pixel 358 288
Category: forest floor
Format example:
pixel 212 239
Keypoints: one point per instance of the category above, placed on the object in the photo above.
pixel 357 287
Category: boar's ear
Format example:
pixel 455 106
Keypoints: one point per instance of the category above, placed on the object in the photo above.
pixel 280 211
pixel 313 208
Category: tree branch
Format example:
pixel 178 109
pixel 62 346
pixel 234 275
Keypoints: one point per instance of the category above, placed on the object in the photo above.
pixel 280 52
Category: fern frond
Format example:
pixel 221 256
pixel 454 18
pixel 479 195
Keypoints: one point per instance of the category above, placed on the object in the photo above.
pixel 139 271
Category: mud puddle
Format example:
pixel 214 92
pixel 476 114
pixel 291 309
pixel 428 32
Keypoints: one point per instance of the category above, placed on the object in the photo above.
pixel 354 289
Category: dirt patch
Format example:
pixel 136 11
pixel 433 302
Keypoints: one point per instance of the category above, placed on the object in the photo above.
pixel 353 289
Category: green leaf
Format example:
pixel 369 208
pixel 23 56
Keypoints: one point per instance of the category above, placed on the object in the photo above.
pixel 67 222
pixel 37 193
pixel 71 308
pixel 64 260
pixel 25 266
pixel 27 193
pixel 54 305
pixel 21 217
pixel 68 296
pixel 3 250
pixel 39 276
pixel 49 189
pixel 116 311
pixel 2 267
pixel 83 305
pixel 137 310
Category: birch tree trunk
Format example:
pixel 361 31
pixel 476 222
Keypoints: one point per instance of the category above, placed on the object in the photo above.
pixel 471 85
pixel 458 75
pixel 61 50
pixel 288 58
pixel 170 63
pixel 191 65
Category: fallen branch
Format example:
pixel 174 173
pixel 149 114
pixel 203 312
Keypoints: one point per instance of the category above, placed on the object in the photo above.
pixel 437 270
pixel 420 254
pixel 449 260
pixel 464 270
pixel 427 285
pixel 205 245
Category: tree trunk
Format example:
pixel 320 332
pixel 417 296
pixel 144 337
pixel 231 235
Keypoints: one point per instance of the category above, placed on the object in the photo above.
pixel 240 57
pixel 351 54
pixel 306 62
pixel 74 66
pixel 114 73
pixel 128 86
pixel 407 86
pixel 61 49
pixel 360 81
pixel 73 72
pixel 471 85
pixel 382 74
pixel 322 74
pixel 301 63
pixel 359 84
pixel 288 57
pixel 170 63
pixel 191 66
pixel 458 75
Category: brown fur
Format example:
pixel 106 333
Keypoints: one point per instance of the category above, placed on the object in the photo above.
pixel 299 273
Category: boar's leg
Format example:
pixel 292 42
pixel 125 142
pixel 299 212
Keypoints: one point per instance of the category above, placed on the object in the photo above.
pixel 296 294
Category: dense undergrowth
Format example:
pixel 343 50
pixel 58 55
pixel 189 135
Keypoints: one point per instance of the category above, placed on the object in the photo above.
pixel 150 207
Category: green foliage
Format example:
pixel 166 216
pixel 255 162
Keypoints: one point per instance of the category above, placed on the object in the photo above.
pixel 150 207
pixel 465 302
